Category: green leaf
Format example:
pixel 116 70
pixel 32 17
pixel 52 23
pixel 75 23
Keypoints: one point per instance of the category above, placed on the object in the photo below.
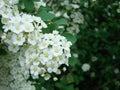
pixel 70 78
pixel 73 61
pixel 50 28
pixel 70 37
pixel 61 22
pixel 70 87
pixel 29 5
pixel 46 16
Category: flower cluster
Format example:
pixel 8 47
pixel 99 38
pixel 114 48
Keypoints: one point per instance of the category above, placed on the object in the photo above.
pixel 11 76
pixel 41 54
pixel 19 28
pixel 47 55
pixel 71 11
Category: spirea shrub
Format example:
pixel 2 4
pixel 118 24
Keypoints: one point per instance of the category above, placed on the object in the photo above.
pixel 59 45
pixel 37 51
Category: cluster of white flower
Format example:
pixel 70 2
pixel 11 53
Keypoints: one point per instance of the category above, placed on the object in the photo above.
pixel 85 67
pixel 41 54
pixel 19 28
pixel 71 11
pixel 11 74
pixel 47 55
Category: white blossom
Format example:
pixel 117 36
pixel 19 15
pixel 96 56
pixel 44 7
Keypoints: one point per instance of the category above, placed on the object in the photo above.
pixel 85 67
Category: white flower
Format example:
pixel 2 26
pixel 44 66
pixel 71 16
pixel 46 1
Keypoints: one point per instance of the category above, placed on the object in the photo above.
pixel 26 18
pixel 67 53
pixel 36 61
pixel 66 45
pixel 56 42
pixel 32 39
pixel 55 32
pixel 58 14
pixel 47 76
pixel 43 24
pixel 75 6
pixel 4 20
pixel 64 69
pixel 85 67
pixel 36 19
pixel 18 39
pixel 57 51
pixel 16 19
pixel 8 38
pixel 116 71
pixel 28 61
pixel 38 35
pixel 61 59
pixel 17 28
pixel 66 15
pixel 6 12
pixel 55 78
pixel 13 48
pixel 29 51
pixel 118 10
pixel 52 67
pixel 47 54
pixel 7 27
pixel 28 27
pixel 43 44
pixel 2 3
pixel 34 70
pixel 58 71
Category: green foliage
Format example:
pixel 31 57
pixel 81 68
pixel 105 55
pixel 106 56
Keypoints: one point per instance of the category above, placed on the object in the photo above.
pixel 29 5
pixel 44 14
pixel 70 37
pixel 61 22
pixel 97 43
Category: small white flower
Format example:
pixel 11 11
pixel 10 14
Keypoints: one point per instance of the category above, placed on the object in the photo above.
pixel 66 15
pixel 64 69
pixel 26 18
pixel 43 24
pixel 61 59
pixel 118 10
pixel 75 6
pixel 34 70
pixel 13 48
pixel 67 53
pixel 4 20
pixel 18 39
pixel 116 71
pixel 7 27
pixel 85 67
pixel 28 27
pixel 55 42
pixel 55 78
pixel 57 51
pixel 2 3
pixel 52 67
pixel 6 12
pixel 32 39
pixel 58 14
pixel 17 28
pixel 36 19
pixel 66 45
pixel 47 76
pixel 43 44
pixel 15 20
pixel 36 61
pixel 8 38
